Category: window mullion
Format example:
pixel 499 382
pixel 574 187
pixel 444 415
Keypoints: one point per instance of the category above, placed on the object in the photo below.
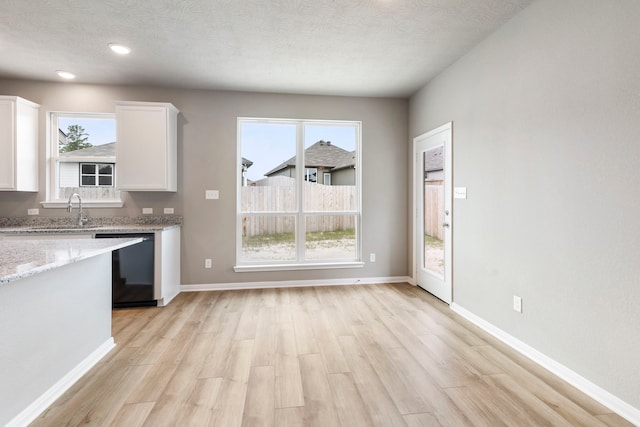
pixel 300 170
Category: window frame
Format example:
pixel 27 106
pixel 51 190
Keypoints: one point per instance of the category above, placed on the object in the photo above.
pixel 300 214
pixel 53 159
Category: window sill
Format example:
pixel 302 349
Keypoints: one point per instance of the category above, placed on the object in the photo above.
pixel 291 267
pixel 59 204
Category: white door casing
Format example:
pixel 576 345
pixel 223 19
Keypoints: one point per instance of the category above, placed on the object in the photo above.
pixel 432 220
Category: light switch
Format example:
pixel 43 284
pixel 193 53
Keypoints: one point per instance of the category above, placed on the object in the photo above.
pixel 460 193
pixel 211 194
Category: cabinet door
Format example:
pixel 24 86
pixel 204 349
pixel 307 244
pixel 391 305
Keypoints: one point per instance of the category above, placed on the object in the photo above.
pixel 18 144
pixel 7 145
pixel 26 147
pixel 144 148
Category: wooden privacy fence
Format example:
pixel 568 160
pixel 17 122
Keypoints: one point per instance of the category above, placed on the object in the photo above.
pixel 279 195
pixel 89 193
pixel 434 209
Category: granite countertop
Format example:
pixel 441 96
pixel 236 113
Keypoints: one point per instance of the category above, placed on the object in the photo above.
pixel 67 225
pixel 87 229
pixel 23 258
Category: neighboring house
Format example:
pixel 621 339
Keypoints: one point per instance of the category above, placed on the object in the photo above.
pixel 62 137
pixel 325 163
pixel 94 172
pixel 434 164
pixel 246 164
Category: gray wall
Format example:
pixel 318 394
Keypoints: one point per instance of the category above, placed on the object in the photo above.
pixel 207 160
pixel 545 137
pixel 346 176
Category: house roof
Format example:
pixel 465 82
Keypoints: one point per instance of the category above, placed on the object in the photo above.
pixel 104 150
pixel 322 154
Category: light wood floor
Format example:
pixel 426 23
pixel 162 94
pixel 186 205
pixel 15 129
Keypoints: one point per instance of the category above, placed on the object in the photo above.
pixel 371 355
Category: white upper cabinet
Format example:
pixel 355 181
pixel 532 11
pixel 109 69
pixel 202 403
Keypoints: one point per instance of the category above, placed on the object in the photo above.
pixel 146 146
pixel 18 144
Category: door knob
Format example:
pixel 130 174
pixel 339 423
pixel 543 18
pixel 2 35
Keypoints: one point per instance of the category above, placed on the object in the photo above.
pixel 445 224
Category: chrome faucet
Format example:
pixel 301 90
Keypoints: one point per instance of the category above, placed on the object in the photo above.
pixel 81 220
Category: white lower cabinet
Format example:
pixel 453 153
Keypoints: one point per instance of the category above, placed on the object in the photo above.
pixel 167 265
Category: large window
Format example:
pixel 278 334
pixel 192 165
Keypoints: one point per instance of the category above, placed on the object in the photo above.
pixel 298 194
pixel 82 159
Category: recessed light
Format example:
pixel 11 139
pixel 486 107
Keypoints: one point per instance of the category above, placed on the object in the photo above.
pixel 119 48
pixel 66 75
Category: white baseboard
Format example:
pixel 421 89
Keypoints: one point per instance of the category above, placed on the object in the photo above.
pixel 292 284
pixel 32 411
pixel 597 393
pixel 166 300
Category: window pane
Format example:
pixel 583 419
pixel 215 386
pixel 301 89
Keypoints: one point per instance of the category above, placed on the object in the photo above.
pixel 330 153
pixel 86 136
pixel 88 169
pixel 330 237
pixel 311 174
pixel 268 238
pixel 105 169
pixel 88 180
pixel 268 172
pixel 105 180
pixel 433 210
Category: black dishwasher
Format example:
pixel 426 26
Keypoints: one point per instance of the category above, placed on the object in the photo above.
pixel 132 268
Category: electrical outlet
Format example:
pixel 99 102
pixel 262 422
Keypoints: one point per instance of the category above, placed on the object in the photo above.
pixel 147 211
pixel 168 210
pixel 211 194
pixel 517 304
pixel 372 257
pixel 208 263
pixel 34 211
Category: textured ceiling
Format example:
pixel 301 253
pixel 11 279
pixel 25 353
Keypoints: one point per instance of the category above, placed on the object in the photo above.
pixel 336 47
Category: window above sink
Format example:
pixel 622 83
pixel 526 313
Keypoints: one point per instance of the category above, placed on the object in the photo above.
pixel 81 158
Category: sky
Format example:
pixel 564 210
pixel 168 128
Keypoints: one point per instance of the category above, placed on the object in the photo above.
pixel 268 145
pixel 101 131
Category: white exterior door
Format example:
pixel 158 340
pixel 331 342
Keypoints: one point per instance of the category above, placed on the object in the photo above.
pixel 433 216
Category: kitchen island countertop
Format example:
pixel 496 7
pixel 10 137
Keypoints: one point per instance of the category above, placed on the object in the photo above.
pixel 23 258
